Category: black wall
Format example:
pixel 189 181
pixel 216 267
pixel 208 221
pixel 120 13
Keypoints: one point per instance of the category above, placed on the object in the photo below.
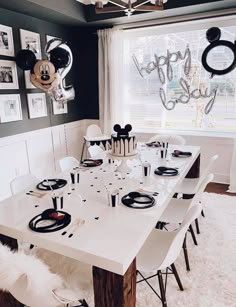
pixel 83 75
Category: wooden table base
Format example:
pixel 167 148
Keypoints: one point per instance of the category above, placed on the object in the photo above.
pixel 113 290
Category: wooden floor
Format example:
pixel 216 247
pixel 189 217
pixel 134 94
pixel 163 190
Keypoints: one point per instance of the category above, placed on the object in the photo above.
pixel 218 188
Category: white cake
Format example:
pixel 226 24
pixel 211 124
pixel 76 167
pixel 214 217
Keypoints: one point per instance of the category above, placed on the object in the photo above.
pixel 123 146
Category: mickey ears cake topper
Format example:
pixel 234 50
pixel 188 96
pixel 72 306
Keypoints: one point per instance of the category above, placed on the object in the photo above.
pixel 122 131
pixel 213 35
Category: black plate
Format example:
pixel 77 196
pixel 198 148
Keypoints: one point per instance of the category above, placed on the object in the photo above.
pixel 166 171
pixel 51 184
pixel 181 154
pixel 153 144
pixel 91 162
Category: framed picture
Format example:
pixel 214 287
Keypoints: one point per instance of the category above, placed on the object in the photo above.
pixel 6 41
pixel 31 40
pixel 8 75
pixel 59 107
pixel 37 105
pixel 10 108
pixel 28 83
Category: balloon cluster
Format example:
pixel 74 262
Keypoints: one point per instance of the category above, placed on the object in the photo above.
pixel 48 75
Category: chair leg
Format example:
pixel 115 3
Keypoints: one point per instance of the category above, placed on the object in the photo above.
pixel 82 153
pixel 177 277
pixel 162 289
pixel 197 226
pixel 193 234
pixel 186 254
pixel 203 214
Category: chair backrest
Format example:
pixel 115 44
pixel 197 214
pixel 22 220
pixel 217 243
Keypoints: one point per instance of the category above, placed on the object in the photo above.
pixel 171 139
pixel 93 130
pixel 192 214
pixel 22 183
pixel 96 151
pixel 28 279
pixel 68 163
pixel 207 169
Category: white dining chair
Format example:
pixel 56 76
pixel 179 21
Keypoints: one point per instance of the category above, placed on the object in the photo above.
pixel 160 251
pixel 171 139
pixel 177 209
pixel 68 163
pixel 22 183
pixel 189 186
pixel 30 281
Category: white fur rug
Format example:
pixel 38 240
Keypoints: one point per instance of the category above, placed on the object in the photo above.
pixel 212 279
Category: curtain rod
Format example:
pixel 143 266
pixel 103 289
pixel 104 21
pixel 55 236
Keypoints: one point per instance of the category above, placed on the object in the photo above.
pixel 178 19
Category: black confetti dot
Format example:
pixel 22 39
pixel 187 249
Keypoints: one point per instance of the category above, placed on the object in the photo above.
pixel 91 172
pixel 96 218
pixel 123 178
pixel 95 177
pixel 68 193
pixel 36 206
pixel 98 191
pixel 73 189
pixel 116 174
pixel 104 171
pixel 91 185
pixel 84 200
pixel 110 183
pixel 121 188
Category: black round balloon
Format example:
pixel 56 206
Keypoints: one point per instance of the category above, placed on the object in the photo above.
pixel 213 34
pixel 25 59
pixel 59 57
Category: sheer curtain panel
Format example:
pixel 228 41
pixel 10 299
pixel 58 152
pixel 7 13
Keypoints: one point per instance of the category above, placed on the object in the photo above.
pixel 110 60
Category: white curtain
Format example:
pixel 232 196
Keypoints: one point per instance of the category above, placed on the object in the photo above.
pixel 232 186
pixel 110 60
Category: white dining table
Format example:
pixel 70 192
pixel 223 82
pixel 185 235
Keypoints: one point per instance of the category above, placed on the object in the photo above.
pixel 110 237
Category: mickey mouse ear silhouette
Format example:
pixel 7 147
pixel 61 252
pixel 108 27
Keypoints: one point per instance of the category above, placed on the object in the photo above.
pixel 128 128
pixel 117 128
pixel 213 34
pixel 25 59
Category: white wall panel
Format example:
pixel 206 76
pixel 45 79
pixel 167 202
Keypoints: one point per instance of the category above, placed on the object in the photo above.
pixel 13 162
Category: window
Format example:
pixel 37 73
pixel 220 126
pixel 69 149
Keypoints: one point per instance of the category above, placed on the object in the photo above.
pixel 142 104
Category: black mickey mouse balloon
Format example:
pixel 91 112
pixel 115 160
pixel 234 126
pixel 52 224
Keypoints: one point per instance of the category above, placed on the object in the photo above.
pixel 213 35
pixel 48 74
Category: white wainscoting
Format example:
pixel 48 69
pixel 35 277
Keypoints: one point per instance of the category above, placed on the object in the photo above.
pixel 210 145
pixel 38 152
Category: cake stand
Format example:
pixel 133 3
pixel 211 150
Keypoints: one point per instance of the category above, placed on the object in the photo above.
pixel 123 167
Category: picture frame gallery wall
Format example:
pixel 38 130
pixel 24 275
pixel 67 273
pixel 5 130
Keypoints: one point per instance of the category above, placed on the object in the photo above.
pixel 24 107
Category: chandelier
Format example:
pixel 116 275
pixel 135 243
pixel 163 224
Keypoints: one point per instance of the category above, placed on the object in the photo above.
pixel 128 6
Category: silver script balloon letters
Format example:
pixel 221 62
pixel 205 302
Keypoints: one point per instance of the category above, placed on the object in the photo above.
pixel 185 98
pixel 161 61
pixel 172 57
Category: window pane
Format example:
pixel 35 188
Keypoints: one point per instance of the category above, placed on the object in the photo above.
pixel 143 106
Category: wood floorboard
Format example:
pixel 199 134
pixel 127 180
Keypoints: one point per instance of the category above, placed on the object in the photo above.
pixel 218 188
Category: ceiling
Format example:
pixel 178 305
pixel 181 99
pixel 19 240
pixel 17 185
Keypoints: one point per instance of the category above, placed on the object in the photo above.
pixel 73 13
